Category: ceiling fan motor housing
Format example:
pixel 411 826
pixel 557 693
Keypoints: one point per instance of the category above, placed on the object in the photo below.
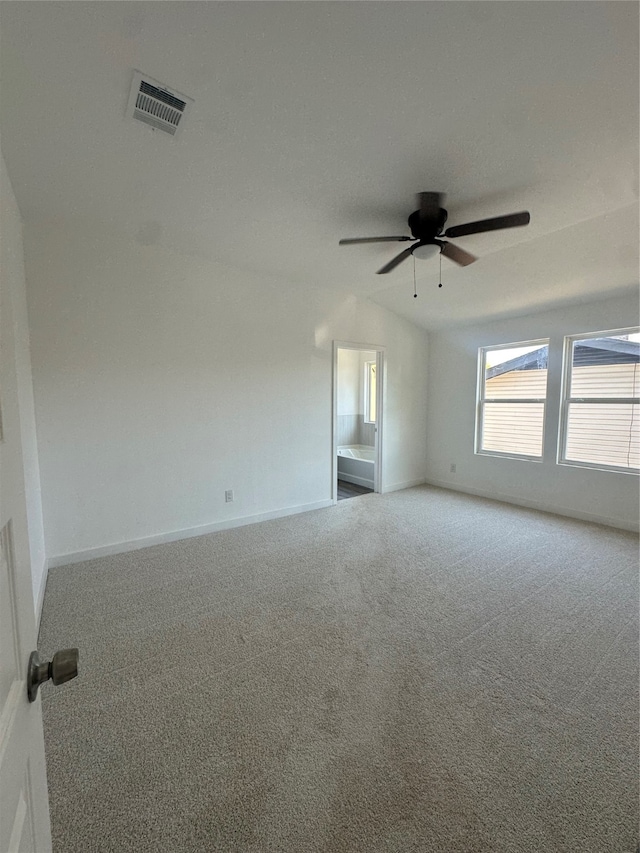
pixel 426 230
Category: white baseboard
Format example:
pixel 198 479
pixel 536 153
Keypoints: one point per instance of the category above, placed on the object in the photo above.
pixel 174 536
pixel 621 524
pixel 408 484
pixel 358 481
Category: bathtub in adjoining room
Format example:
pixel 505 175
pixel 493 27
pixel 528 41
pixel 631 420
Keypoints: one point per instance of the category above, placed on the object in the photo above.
pixel 356 464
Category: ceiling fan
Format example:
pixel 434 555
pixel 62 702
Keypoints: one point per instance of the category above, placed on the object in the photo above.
pixel 426 226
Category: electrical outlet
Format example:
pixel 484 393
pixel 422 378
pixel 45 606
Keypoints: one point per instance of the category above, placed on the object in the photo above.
pixel 452 468
pixel 228 495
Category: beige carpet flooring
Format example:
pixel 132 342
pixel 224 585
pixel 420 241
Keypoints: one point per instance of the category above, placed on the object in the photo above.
pixel 418 671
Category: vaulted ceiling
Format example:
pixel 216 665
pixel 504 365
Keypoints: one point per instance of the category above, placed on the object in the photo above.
pixel 314 121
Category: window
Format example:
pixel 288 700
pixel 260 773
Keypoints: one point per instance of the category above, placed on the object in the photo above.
pixel 601 405
pixel 512 392
pixel 370 392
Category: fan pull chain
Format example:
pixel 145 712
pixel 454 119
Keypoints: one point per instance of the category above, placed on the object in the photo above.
pixel 415 294
pixel 440 285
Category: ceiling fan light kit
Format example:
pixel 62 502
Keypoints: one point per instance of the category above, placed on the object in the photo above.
pixel 426 225
pixel 424 251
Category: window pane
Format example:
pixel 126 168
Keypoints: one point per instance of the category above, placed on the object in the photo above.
pixel 517 372
pixel 606 367
pixel 604 433
pixel 513 428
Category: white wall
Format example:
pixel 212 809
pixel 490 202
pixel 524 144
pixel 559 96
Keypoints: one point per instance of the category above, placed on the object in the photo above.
pixel 609 497
pixel 161 380
pixel 348 391
pixel 17 396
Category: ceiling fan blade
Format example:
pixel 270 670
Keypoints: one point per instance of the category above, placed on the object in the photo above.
pixel 395 261
pixel 512 220
pixel 353 240
pixel 429 205
pixel 458 255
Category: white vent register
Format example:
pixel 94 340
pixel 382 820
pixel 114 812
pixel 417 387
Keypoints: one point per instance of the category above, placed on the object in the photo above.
pixel 157 105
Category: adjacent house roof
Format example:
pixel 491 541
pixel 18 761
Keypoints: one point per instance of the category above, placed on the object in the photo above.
pixel 590 351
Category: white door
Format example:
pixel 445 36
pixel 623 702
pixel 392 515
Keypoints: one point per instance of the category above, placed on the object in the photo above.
pixel 24 806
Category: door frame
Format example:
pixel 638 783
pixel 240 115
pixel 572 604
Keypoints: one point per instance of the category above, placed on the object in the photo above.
pixel 380 352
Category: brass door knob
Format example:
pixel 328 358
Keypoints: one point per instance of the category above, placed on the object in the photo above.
pixel 62 667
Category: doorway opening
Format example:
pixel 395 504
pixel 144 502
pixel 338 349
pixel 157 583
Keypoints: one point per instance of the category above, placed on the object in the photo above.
pixel 357 419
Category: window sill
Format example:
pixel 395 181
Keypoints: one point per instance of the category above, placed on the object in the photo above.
pixel 592 466
pixel 497 455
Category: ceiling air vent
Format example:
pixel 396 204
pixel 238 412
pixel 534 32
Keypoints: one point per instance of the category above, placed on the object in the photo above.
pixel 157 105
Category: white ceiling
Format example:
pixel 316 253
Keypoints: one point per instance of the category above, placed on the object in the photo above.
pixel 320 120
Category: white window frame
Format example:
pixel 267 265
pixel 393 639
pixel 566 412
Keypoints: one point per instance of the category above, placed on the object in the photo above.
pixel 567 400
pixel 367 389
pixel 481 400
